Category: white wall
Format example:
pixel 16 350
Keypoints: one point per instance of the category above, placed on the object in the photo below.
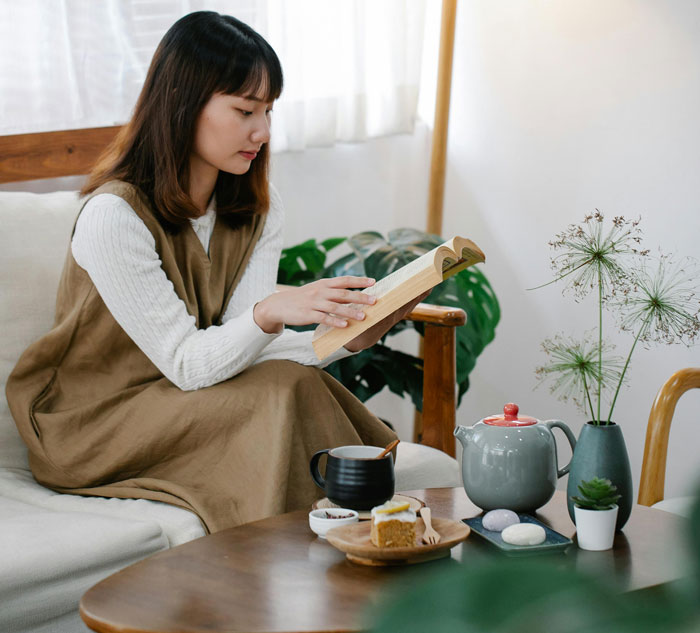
pixel 557 108
pixel 378 185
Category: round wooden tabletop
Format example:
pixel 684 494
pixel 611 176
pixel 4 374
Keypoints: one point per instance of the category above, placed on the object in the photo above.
pixel 275 575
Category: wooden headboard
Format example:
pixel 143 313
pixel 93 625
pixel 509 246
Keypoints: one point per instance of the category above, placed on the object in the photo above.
pixel 52 154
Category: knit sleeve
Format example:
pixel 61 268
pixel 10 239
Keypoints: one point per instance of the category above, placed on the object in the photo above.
pixel 259 281
pixel 113 245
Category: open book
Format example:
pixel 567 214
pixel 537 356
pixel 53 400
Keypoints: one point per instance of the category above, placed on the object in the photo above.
pixel 399 288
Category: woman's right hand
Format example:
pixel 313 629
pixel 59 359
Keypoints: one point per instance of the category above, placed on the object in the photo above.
pixel 324 301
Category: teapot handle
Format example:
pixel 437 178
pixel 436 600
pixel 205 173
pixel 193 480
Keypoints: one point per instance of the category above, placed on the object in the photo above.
pixel 569 436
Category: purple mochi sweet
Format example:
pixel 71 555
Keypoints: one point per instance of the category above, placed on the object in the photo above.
pixel 499 520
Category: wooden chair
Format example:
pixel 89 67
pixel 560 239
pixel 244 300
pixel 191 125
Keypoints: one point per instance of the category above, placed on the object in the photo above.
pixel 73 152
pixel 651 486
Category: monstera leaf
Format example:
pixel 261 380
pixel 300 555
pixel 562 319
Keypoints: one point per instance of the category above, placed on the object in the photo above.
pixel 373 255
pixel 305 262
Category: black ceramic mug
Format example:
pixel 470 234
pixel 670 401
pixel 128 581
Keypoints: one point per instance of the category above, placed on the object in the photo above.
pixel 354 479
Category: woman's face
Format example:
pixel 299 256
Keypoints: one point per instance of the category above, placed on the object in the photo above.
pixel 230 131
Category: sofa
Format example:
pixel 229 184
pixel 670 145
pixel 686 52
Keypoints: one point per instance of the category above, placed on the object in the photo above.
pixel 53 546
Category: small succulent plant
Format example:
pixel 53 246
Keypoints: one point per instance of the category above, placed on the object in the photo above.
pixel 596 494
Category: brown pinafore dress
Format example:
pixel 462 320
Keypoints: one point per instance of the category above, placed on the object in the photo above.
pixel 100 419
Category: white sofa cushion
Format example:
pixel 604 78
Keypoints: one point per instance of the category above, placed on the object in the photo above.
pixel 419 466
pixel 178 525
pixel 34 240
pixel 676 505
pixel 50 558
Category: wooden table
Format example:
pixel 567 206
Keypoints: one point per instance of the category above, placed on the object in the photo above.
pixel 275 575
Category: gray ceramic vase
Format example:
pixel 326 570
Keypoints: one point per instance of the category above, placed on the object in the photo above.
pixel 601 452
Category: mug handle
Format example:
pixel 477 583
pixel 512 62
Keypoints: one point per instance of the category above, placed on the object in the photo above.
pixel 315 473
pixel 569 436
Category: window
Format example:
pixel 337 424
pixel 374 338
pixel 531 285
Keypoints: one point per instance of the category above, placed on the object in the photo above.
pixel 352 67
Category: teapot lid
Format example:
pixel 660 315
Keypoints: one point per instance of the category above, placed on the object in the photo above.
pixel 510 417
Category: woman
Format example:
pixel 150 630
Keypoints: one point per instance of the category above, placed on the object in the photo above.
pixel 168 374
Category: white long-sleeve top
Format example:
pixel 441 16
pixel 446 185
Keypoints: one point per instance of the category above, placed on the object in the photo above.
pixel 114 246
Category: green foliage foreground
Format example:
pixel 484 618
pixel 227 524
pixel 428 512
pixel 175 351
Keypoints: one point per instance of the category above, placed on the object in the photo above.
pixel 534 595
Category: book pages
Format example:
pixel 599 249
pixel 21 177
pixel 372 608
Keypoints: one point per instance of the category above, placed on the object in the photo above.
pixel 451 266
pixel 398 288
pixel 387 284
pixel 449 262
pixel 402 274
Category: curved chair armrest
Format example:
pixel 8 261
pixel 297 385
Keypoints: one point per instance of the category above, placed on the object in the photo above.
pixel 439 315
pixel 651 485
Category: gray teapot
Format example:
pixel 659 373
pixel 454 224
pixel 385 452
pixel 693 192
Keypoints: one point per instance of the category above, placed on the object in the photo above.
pixel 510 461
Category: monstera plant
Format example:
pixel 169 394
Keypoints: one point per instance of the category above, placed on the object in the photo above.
pixel 373 255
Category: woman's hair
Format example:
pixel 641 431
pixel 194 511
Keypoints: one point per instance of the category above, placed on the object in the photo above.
pixel 203 53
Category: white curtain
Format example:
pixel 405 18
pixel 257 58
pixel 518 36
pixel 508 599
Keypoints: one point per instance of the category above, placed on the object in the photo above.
pixel 352 67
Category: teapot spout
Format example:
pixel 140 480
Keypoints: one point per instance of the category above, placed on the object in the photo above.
pixel 463 434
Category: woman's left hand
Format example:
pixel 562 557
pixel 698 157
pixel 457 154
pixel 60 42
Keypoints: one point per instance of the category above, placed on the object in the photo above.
pixel 370 336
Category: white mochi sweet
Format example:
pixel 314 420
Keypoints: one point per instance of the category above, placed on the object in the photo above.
pixel 499 520
pixel 524 534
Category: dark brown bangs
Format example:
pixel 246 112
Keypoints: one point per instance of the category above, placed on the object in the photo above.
pixel 201 54
pixel 254 72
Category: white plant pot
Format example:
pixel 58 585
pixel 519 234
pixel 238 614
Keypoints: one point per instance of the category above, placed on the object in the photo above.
pixel 595 529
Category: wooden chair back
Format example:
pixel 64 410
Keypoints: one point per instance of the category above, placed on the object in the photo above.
pixel 651 486
pixel 52 154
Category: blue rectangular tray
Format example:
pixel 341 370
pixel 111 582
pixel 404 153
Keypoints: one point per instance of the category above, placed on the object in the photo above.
pixel 554 541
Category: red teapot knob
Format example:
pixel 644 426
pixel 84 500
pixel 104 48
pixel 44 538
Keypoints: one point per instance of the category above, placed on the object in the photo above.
pixel 510 411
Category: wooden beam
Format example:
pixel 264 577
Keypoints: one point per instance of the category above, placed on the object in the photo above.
pixel 52 154
pixel 438 158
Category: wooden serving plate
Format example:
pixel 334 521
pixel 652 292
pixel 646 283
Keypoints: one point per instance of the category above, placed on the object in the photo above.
pixel 355 542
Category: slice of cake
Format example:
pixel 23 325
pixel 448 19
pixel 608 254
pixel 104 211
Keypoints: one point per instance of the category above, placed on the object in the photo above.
pixel 393 525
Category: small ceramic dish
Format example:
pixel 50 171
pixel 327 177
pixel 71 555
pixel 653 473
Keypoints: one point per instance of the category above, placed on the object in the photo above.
pixel 320 521
pixel 554 541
